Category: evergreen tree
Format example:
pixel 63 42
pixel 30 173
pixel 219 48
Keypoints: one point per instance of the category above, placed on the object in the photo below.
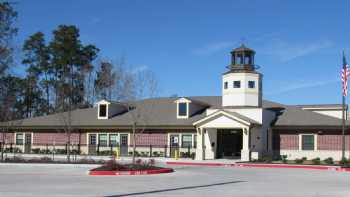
pixel 36 56
pixel 105 80
pixel 8 17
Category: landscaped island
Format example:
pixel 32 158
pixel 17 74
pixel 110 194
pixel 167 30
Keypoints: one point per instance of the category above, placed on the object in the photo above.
pixel 138 168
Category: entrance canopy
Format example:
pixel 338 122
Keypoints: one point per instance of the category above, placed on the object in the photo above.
pixel 225 119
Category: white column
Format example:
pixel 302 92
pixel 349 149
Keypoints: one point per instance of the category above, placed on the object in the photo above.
pixel 245 152
pixel 200 144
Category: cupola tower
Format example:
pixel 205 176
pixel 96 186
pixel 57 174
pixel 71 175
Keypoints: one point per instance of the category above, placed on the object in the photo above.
pixel 242 84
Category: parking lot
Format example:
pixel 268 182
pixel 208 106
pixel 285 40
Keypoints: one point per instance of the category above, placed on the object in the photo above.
pixel 70 180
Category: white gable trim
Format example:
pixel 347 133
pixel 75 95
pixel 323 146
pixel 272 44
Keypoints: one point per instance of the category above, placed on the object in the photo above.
pixel 103 101
pixel 220 113
pixel 183 100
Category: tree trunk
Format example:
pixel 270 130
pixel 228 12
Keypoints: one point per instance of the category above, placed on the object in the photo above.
pixel 133 142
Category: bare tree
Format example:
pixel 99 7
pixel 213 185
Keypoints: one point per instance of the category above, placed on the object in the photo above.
pixel 135 89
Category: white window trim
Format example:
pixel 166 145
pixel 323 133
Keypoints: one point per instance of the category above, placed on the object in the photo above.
pixel 23 138
pixel 254 84
pixel 187 110
pixel 300 141
pixel 240 84
pixel 227 85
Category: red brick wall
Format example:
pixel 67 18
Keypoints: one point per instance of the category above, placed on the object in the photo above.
pixel 154 139
pixel 9 137
pixel 332 142
pixel 58 138
pixel 285 141
pixel 326 140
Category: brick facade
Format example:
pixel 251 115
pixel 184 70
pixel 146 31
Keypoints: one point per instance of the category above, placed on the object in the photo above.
pixel 285 141
pixel 9 138
pixel 326 140
pixel 147 139
pixel 58 138
pixel 332 142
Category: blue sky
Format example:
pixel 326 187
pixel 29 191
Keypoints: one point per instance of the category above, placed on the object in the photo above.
pixel 187 43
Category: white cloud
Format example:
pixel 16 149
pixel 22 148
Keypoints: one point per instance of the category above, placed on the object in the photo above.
pixel 212 48
pixel 287 51
pixel 302 84
pixel 139 68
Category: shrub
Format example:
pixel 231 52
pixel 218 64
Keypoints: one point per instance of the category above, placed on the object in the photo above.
pixel 299 161
pixel 35 150
pixel 193 155
pixel 344 161
pixel 329 161
pixel 284 158
pixel 266 159
pixel 155 154
pixel 316 161
pixel 304 158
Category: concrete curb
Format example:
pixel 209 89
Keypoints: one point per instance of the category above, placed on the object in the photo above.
pixel 50 164
pixel 131 172
pixel 251 165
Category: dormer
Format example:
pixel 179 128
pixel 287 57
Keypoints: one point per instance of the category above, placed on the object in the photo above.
pixel 107 109
pixel 185 107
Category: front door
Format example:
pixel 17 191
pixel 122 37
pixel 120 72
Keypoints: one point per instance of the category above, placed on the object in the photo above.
pixel 229 143
pixel 124 144
pixel 174 144
pixel 28 143
pixel 92 144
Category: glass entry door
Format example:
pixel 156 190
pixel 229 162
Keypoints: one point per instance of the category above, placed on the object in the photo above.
pixel 174 144
pixel 92 144
pixel 27 143
pixel 123 144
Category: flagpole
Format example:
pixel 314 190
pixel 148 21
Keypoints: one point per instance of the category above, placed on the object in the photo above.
pixel 343 130
pixel 343 114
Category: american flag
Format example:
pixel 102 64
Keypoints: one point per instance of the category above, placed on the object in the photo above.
pixel 344 76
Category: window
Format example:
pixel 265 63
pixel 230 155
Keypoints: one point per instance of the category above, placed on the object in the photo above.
pixel 225 85
pixel 102 139
pixel 92 140
pixel 186 141
pixel 113 140
pixel 307 142
pixel 182 109
pixel 251 84
pixel 19 139
pixel 237 84
pixel 103 110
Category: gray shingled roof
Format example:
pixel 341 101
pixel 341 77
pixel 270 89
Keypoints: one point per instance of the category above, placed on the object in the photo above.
pixel 162 113
pixel 295 116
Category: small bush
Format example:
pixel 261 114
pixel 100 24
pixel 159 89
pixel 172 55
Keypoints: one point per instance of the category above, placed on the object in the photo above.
pixel 304 158
pixel 316 161
pixel 155 154
pixel 35 150
pixel 284 158
pixel 193 155
pixel 344 161
pixel 266 159
pixel 329 161
pixel 299 161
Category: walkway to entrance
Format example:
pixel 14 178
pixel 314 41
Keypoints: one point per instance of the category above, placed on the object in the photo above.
pixel 229 143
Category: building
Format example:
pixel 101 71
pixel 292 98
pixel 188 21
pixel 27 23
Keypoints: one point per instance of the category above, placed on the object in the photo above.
pixel 238 124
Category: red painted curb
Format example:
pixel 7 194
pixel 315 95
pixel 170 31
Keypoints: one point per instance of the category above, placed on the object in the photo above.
pixel 131 172
pixel 196 164
pixel 250 165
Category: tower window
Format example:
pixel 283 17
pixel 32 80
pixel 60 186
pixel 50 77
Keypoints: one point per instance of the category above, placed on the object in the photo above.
pixel 182 111
pixel 237 84
pixel 103 110
pixel 225 85
pixel 251 84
